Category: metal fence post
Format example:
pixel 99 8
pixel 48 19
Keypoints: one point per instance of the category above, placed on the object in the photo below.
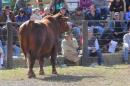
pixel 85 43
pixel 9 46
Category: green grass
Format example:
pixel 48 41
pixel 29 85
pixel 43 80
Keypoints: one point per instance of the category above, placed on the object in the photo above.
pixel 21 73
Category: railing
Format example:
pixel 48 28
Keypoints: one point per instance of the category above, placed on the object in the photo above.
pixel 11 28
pixel 9 41
pixel 107 27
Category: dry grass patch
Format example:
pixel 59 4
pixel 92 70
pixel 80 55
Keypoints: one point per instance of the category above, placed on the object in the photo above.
pixel 118 75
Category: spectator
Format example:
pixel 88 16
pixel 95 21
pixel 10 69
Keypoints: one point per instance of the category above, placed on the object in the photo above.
pixel 94 15
pixel 93 46
pixel 21 17
pixel 77 17
pixel 0 7
pixel 36 15
pixel 101 7
pixel 19 4
pixel 16 50
pixel 85 4
pixel 56 5
pixel 28 10
pixel 69 48
pixel 77 24
pixel 127 16
pixel 1 58
pixel 127 4
pixel 118 27
pixel 7 15
pixel 117 6
pixel 105 39
pixel 126 46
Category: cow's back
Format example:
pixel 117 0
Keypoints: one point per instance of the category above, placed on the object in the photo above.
pixel 36 38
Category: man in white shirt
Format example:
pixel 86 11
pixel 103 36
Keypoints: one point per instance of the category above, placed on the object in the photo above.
pixel 69 48
pixel 126 46
pixel 93 46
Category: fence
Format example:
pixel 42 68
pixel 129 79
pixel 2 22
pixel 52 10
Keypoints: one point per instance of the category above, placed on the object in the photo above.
pixel 122 24
pixel 7 39
pixel 10 29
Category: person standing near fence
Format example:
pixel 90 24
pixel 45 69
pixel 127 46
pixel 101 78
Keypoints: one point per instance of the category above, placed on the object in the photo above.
pixel 126 46
pixel 118 27
pixel 93 48
pixel 8 16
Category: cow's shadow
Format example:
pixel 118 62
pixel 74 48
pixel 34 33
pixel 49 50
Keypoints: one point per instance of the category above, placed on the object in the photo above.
pixel 67 78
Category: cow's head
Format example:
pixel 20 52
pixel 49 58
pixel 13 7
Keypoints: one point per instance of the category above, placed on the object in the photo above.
pixel 62 21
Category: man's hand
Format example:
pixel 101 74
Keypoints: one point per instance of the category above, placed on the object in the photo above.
pixel 93 50
pixel 115 33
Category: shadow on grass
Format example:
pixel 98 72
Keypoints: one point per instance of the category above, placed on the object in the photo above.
pixel 67 78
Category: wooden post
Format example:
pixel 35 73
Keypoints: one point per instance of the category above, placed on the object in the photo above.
pixel 85 43
pixel 9 46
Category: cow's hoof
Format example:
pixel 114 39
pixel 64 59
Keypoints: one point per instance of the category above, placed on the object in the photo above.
pixel 31 76
pixel 41 73
pixel 55 73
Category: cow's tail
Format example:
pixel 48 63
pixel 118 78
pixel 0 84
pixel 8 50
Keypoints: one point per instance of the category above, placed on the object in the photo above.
pixel 26 48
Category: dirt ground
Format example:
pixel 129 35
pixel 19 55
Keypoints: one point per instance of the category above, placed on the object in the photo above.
pixel 118 75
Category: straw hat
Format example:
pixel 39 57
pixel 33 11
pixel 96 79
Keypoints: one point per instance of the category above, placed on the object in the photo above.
pixel 67 34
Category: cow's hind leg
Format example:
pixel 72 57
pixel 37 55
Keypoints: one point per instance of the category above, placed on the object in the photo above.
pixel 41 63
pixel 53 60
pixel 31 62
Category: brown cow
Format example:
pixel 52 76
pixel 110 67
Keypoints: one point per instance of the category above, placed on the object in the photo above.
pixel 38 39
